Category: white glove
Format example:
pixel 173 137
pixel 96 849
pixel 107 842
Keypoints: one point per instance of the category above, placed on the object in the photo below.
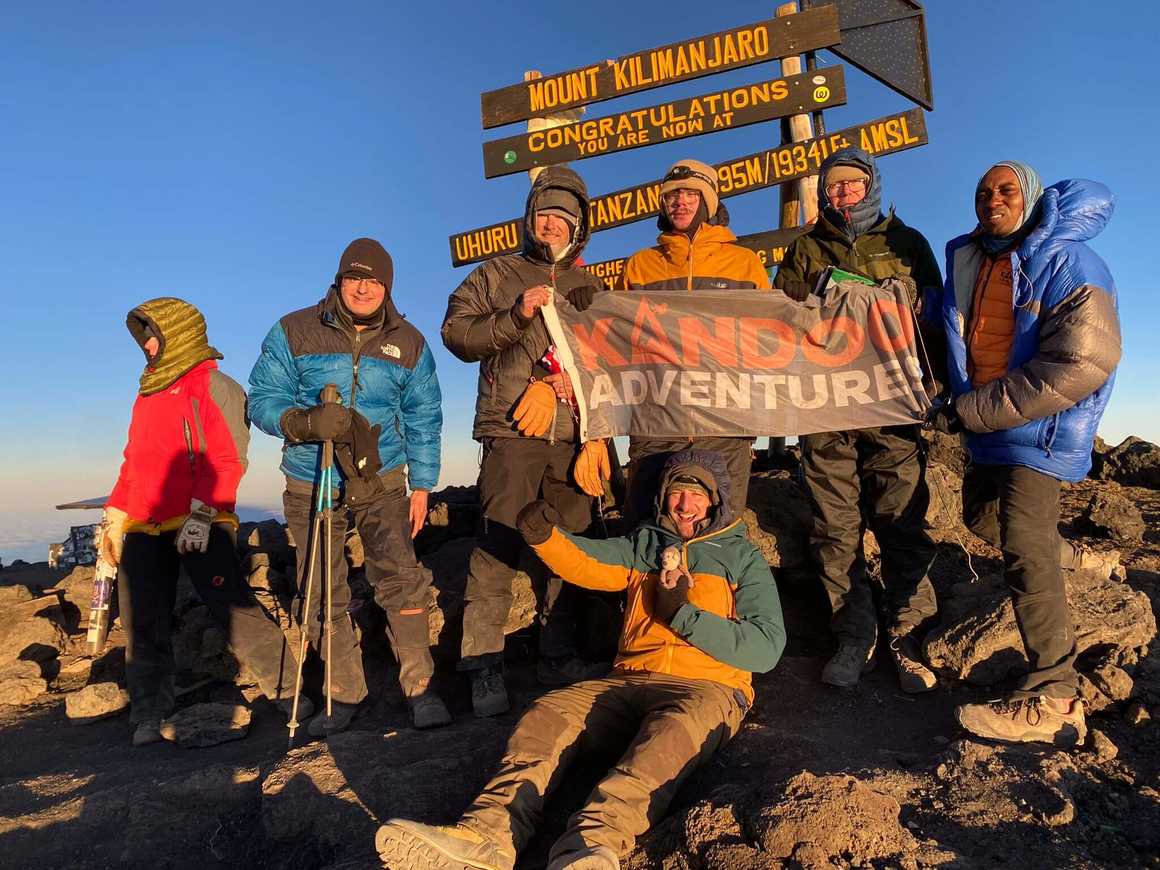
pixel 194 534
pixel 112 535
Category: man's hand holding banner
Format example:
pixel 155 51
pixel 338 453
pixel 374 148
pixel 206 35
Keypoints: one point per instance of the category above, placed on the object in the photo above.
pixel 742 362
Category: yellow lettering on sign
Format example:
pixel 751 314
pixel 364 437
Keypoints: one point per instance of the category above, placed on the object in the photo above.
pixel 663 65
pixel 563 89
pixel 487 242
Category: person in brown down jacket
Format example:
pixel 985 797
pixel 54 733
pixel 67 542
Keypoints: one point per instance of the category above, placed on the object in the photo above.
pixel 868 477
pixel 529 433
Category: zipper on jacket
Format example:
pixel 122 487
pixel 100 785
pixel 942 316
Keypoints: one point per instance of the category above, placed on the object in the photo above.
pixel 189 446
pixel 690 284
pixel 357 352
pixel 552 430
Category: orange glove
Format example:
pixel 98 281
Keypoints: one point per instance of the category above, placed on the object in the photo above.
pixel 536 409
pixel 592 468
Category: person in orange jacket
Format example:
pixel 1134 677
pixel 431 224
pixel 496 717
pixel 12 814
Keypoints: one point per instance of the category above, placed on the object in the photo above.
pixel 703 616
pixel 695 251
pixel 172 508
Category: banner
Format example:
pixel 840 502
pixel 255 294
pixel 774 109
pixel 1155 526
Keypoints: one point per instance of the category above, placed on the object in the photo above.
pixel 742 362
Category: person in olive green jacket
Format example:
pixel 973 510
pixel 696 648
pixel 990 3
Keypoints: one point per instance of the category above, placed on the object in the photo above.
pixel 869 477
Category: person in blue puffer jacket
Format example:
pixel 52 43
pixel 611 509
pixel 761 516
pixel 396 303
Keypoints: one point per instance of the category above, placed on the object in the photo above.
pixel 390 417
pixel 1033 338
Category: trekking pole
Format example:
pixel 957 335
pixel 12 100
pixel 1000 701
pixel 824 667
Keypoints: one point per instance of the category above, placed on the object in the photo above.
pixel 323 498
pixel 329 395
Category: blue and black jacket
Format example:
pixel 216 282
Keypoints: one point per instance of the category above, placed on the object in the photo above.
pixel 386 373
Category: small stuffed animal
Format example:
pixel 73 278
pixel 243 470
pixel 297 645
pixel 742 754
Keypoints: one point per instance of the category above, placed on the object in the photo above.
pixel 671 570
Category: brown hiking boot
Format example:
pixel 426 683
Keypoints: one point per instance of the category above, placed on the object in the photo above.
pixel 1105 563
pixel 850 662
pixel 406 845
pixel 913 674
pixel 1026 720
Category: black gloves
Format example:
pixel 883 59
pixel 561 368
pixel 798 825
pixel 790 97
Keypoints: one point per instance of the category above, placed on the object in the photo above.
pixel 537 520
pixel 326 422
pixel 581 297
pixel 944 418
pixel 669 601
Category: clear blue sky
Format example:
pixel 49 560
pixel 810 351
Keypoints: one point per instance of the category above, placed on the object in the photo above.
pixel 226 152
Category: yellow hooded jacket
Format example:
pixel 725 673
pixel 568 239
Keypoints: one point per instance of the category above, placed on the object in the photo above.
pixel 711 260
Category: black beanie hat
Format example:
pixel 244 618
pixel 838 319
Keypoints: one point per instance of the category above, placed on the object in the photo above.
pixel 366 258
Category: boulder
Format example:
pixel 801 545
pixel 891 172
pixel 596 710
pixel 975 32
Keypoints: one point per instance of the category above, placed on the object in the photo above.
pixel 1110 515
pixel 21 683
pixel 95 702
pixel 945 511
pixel 77 587
pixel 206 725
pixel 778 521
pixel 980 642
pixel 36 629
pixel 948 451
pixel 339 791
pixel 819 819
pixel 1132 462
pixel 15 594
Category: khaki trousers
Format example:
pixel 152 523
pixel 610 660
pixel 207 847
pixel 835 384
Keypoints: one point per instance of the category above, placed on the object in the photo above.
pixel 672 726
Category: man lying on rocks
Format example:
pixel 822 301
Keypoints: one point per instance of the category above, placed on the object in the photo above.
pixel 703 614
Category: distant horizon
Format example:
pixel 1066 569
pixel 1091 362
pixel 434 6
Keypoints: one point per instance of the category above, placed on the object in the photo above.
pixel 33 546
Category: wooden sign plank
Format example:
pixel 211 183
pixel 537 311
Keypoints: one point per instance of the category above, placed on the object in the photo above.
pixel 678 119
pixel 770 247
pixel 886 135
pixel 656 67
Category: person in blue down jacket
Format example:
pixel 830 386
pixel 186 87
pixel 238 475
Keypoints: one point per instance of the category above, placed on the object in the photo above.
pixel 1033 341
pixel 390 417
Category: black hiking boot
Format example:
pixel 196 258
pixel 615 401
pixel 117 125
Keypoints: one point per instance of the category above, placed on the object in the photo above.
pixel 488 694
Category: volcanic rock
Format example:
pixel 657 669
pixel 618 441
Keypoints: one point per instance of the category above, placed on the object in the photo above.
pixel 982 645
pixel 36 629
pixel 1132 462
pixel 828 818
pixel 95 702
pixel 21 683
pixel 206 725
pixel 1111 515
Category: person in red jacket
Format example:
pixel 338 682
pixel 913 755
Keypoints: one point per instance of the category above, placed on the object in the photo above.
pixel 173 508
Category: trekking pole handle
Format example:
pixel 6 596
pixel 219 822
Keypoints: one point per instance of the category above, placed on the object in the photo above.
pixel 328 396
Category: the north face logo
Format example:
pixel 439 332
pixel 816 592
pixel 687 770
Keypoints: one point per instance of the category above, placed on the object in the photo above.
pixel 391 350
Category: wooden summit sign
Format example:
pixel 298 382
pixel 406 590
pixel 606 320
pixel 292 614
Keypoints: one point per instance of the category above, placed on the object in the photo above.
pixel 655 67
pixel 679 119
pixel 886 135
pixel 769 246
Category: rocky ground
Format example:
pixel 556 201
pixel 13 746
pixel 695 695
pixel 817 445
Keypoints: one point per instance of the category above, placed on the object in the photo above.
pixel 817 778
